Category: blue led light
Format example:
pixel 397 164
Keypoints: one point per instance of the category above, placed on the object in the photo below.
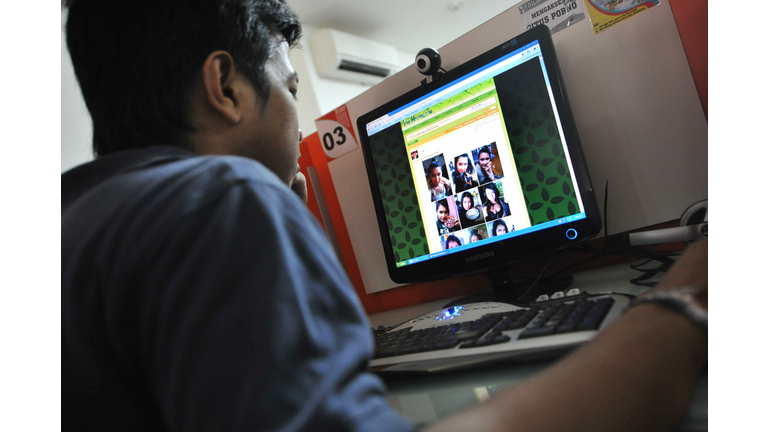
pixel 450 313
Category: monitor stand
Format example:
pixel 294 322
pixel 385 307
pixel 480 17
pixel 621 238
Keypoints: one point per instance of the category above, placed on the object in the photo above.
pixel 505 290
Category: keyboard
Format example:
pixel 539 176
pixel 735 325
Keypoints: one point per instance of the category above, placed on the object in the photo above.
pixel 484 332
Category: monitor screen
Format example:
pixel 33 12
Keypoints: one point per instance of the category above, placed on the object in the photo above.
pixel 480 169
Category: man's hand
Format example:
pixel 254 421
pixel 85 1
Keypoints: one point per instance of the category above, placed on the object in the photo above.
pixel 299 186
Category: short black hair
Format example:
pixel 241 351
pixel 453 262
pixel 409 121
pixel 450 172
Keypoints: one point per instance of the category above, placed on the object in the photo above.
pixel 136 61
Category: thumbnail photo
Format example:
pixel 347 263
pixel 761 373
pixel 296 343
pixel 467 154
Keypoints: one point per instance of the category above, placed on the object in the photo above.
pixel 500 227
pixel 463 171
pixel 477 234
pixel 494 206
pixel 488 165
pixel 437 177
pixel 451 241
pixel 447 217
pixel 470 208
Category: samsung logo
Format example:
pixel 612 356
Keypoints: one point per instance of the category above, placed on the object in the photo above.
pixel 483 255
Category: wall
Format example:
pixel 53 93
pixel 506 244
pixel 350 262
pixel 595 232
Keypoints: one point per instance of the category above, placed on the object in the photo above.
pixel 76 128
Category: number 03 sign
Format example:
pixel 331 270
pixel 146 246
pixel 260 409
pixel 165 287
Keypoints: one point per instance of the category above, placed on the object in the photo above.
pixel 335 132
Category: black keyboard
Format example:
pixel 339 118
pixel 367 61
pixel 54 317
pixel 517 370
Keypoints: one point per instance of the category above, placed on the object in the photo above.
pixel 549 319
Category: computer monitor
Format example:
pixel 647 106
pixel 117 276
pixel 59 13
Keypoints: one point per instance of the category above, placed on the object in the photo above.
pixel 480 169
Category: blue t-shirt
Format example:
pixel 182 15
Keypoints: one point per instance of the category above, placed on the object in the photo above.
pixel 198 293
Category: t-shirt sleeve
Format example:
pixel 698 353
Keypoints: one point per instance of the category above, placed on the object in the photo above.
pixel 248 322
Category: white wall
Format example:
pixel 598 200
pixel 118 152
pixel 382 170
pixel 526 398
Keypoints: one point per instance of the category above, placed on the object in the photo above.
pixel 76 128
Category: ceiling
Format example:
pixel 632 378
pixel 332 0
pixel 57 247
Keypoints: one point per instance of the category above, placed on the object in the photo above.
pixel 407 25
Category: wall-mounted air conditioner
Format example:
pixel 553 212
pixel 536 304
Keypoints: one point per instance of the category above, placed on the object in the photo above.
pixel 346 57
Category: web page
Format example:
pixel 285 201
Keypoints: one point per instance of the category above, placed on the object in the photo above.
pixel 463 169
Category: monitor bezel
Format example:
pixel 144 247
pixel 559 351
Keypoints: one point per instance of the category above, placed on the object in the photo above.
pixel 516 249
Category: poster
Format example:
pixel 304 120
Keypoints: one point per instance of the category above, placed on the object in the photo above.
pixel 556 14
pixel 605 14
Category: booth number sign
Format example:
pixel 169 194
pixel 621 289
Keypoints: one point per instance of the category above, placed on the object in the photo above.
pixel 335 132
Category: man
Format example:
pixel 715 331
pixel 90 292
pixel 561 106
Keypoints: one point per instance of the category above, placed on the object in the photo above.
pixel 197 291
pixel 194 297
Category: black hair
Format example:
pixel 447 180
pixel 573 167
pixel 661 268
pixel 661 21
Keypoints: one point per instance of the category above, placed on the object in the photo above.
pixel 484 149
pixel 470 166
pixel 464 195
pixel 136 61
pixel 496 224
pixel 452 238
pixel 433 163
pixel 442 202
pixel 493 187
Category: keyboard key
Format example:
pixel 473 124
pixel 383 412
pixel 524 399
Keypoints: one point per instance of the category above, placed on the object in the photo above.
pixel 536 332
pixel 490 339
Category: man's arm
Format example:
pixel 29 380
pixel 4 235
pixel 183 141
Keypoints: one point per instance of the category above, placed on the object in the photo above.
pixel 636 375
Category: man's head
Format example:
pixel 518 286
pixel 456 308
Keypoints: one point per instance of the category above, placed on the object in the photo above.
pixel 194 74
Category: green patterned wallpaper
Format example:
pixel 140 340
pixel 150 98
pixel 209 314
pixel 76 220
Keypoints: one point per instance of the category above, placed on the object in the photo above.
pixel 401 207
pixel 536 145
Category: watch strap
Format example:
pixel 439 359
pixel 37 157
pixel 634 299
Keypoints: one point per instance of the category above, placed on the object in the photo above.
pixel 681 299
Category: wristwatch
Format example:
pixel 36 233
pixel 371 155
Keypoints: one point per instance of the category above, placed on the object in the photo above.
pixel 681 299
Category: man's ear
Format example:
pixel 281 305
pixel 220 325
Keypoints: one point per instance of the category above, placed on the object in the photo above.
pixel 221 84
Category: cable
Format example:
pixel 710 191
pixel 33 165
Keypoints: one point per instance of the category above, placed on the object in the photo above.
pixel 664 258
pixel 540 275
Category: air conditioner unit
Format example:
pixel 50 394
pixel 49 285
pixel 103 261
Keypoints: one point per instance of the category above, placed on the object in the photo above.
pixel 346 57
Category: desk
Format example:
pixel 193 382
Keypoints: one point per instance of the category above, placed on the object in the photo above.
pixel 428 398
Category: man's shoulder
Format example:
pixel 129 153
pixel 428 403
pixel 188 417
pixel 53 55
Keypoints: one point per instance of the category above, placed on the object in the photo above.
pixel 153 168
pixel 204 171
pixel 172 183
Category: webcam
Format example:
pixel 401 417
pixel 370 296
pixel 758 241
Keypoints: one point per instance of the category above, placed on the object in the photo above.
pixel 428 61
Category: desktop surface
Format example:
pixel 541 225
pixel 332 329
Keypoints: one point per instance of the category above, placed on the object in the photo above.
pixel 426 398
